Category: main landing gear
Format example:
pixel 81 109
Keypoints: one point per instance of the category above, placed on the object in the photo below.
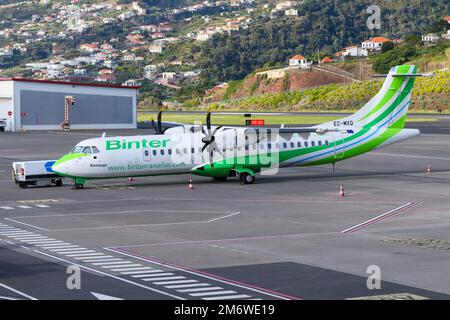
pixel 246 177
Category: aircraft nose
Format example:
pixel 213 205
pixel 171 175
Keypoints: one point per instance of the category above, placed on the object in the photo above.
pixel 58 168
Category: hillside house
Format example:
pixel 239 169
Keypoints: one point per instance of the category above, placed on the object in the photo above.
pixel 430 38
pixel 374 44
pixel 298 61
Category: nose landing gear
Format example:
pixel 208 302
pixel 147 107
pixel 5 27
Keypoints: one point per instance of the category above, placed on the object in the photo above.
pixel 78 184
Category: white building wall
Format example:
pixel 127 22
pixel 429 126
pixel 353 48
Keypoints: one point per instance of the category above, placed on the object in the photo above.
pixel 7 102
pixel 10 94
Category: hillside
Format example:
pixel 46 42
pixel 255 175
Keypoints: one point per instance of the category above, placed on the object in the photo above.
pixel 429 95
pixel 287 79
pixel 272 41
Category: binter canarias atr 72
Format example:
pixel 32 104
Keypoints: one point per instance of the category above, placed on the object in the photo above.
pixel 224 151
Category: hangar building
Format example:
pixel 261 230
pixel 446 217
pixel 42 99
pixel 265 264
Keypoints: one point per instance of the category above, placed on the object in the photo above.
pixel 30 104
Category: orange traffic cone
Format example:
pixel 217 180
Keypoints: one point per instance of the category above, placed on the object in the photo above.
pixel 429 168
pixel 190 185
pixel 341 191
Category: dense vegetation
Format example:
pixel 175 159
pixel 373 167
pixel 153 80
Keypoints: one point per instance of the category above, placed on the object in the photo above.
pixel 429 94
pixel 322 25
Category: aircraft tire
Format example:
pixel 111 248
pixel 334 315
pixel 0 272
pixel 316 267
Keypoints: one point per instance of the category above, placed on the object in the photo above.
pixel 78 186
pixel 247 178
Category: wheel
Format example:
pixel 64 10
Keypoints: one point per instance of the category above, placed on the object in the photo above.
pixel 58 183
pixel 23 185
pixel 78 186
pixel 247 178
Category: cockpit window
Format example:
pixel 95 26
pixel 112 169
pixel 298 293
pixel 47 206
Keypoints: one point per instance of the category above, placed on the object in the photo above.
pixel 87 150
pixel 77 149
pixel 95 149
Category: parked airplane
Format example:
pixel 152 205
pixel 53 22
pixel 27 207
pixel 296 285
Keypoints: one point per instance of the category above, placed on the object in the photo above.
pixel 222 151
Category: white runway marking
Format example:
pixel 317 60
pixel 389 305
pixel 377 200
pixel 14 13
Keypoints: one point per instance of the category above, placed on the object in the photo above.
pixel 187 285
pixel 141 272
pixel 204 275
pixel 98 256
pixel 17 291
pixel 164 283
pixel 164 278
pixel 101 259
pixel 68 250
pixel 156 275
pixel 123 267
pixel 215 293
pixel 200 289
pixel 146 274
pixel 111 263
pixel 380 218
pixel 234 297
pixel 112 276
pixel 136 269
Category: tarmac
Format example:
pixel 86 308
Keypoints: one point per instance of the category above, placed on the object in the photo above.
pixel 289 236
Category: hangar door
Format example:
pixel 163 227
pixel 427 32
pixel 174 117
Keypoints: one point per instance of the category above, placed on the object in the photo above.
pixel 47 108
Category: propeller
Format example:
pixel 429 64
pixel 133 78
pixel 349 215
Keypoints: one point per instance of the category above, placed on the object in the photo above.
pixel 210 140
pixel 158 126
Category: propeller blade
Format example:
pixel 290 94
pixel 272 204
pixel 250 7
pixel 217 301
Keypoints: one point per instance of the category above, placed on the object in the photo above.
pixel 216 148
pixel 160 131
pixel 216 129
pixel 208 122
pixel 211 162
pixel 206 145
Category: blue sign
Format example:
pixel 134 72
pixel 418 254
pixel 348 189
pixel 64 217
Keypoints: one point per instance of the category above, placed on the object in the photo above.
pixel 48 166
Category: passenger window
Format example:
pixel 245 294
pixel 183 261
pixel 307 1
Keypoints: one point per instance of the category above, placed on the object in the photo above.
pixel 313 143
pixel 285 145
pixel 326 142
pixel 306 143
pixel 269 146
pixel 299 144
pixel 246 147
pixel 169 151
pixel 292 145
pixel 192 150
pixel 146 153
pixel 320 143
pixel 162 152
pixel 87 150
pixel 95 150
pixel 154 152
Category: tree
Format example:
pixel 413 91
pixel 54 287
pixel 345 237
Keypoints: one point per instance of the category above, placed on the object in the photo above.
pixel 387 46
pixel 439 26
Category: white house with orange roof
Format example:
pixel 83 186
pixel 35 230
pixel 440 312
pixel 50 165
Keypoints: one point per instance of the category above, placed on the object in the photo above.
pixel 298 61
pixel 374 44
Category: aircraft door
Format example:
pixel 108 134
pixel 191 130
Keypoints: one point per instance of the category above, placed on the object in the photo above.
pixel 339 145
